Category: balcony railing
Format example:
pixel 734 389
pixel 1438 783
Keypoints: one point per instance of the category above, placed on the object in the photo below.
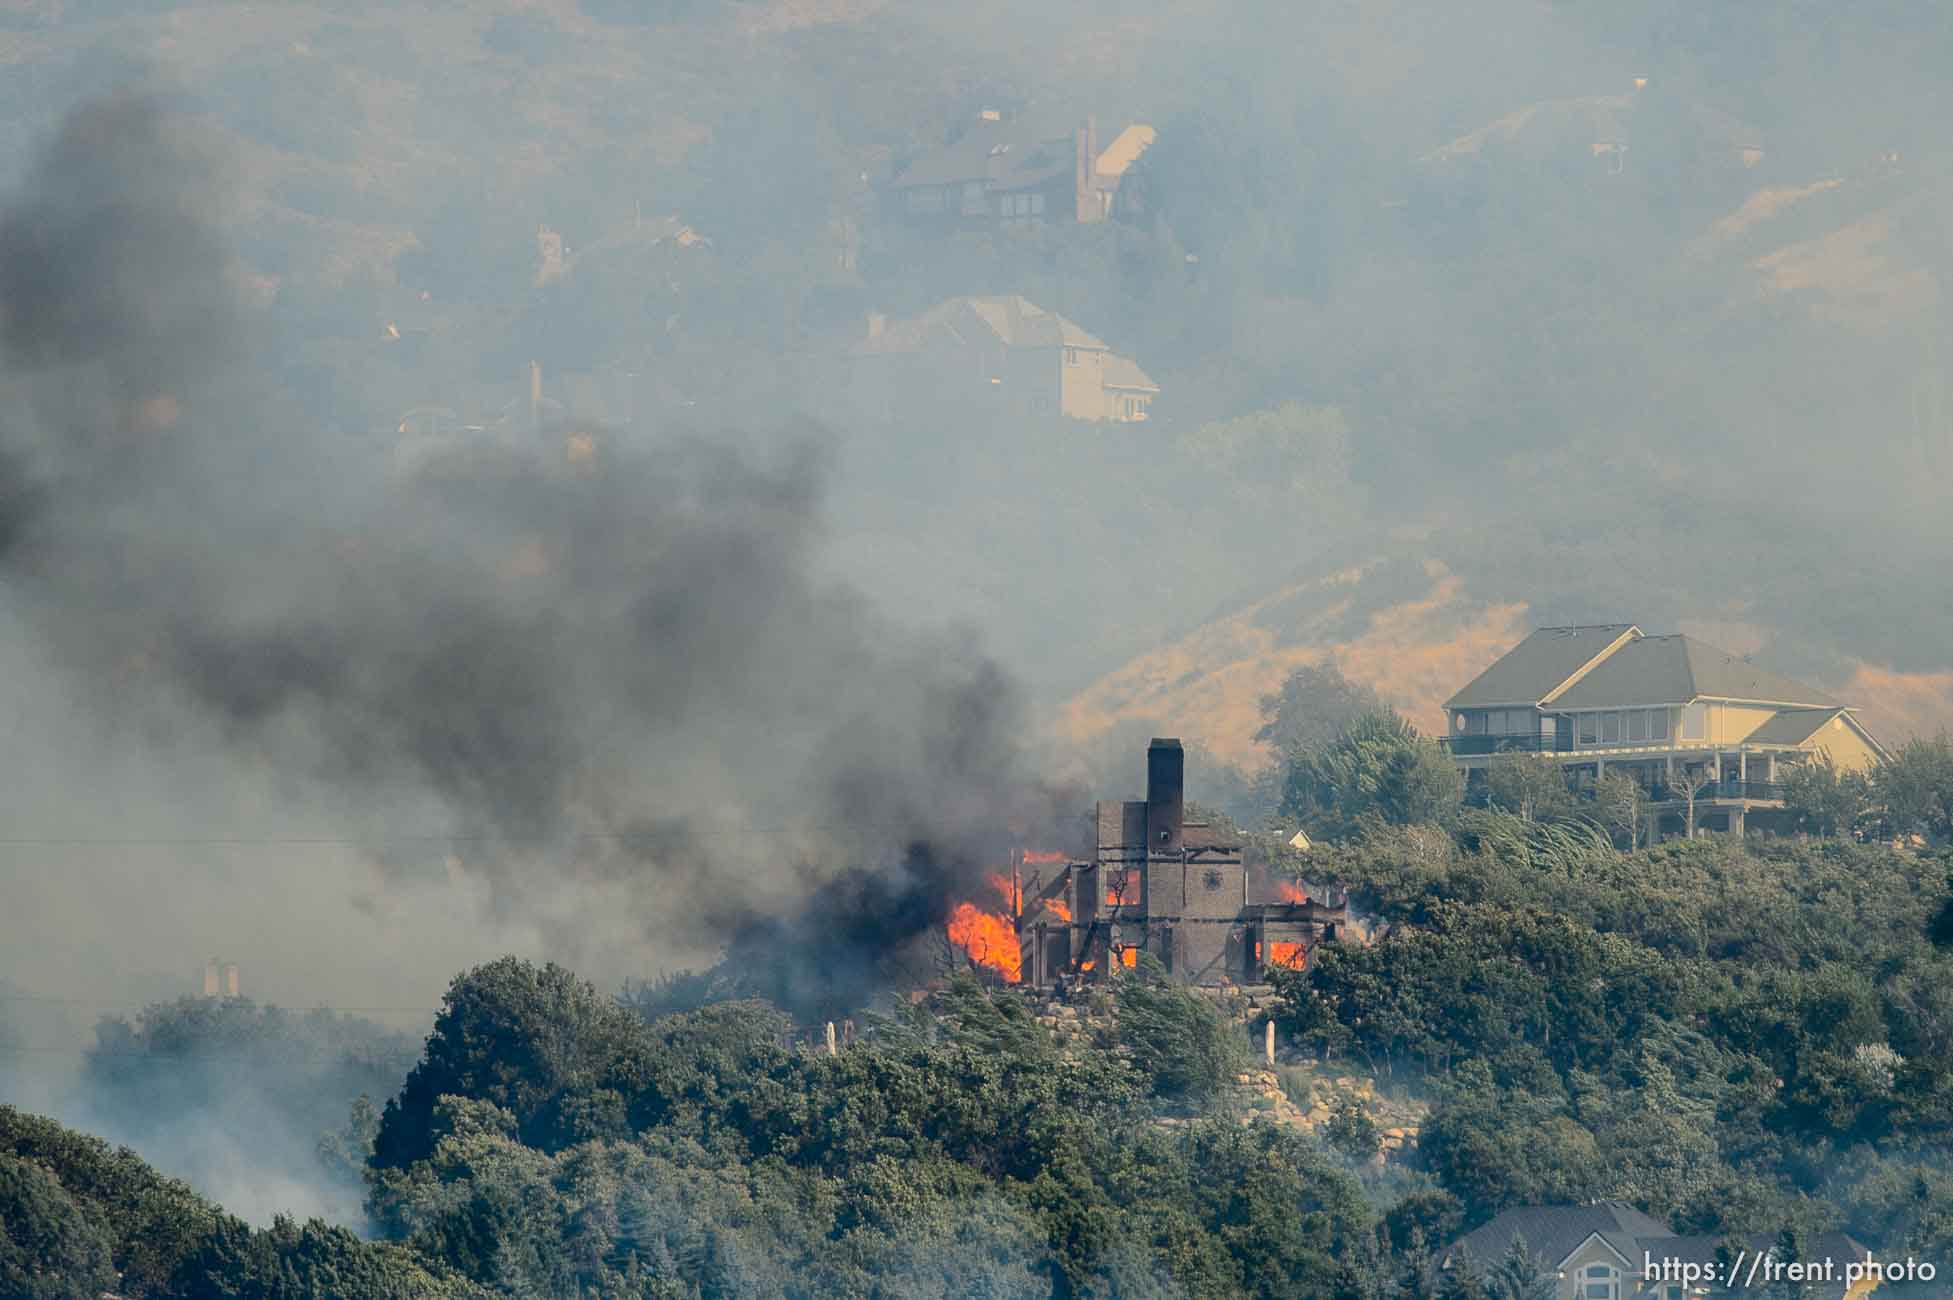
pixel 1523 743
pixel 1770 790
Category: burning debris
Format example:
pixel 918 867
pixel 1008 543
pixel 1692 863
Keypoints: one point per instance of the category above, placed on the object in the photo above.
pixel 1157 884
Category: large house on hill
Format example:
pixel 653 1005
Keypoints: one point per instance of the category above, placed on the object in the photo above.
pixel 1611 1251
pixel 1668 710
pixel 1003 352
pixel 1000 171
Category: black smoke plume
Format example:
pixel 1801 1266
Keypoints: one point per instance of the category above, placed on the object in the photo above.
pixel 617 671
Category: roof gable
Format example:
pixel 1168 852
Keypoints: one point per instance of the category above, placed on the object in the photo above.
pixel 1677 669
pixel 1557 1231
pixel 1544 663
pixel 1009 320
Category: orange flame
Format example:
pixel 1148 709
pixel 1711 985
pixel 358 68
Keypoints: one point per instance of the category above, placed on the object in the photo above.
pixel 1290 892
pixel 1087 965
pixel 1290 955
pixel 988 939
pixel 1057 908
pixel 1014 903
pixel 1117 892
pixel 1038 858
pixel 1129 957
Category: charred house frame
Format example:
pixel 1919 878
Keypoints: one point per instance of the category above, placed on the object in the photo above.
pixel 1176 889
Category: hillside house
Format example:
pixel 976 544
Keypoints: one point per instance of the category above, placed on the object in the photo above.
pixel 1011 172
pixel 1006 353
pixel 1669 711
pixel 1176 888
pixel 1611 1251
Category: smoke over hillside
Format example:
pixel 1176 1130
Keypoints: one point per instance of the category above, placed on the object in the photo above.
pixel 589 664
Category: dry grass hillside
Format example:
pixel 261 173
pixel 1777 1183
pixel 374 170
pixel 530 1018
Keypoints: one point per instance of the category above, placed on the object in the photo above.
pixel 1414 649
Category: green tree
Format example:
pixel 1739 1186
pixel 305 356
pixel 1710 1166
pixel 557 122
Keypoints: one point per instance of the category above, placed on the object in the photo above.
pixel 1521 1274
pixel 1315 704
pixel 1824 800
pixel 51 1247
pixel 1531 786
pixel 1619 800
pixel 1182 1042
pixel 1916 788
pixel 1378 767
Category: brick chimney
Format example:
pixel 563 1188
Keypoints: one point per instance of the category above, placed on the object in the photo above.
pixel 211 987
pixel 1166 771
pixel 230 979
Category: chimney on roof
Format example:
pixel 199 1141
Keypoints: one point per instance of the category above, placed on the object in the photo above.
pixel 1166 770
pixel 230 979
pixel 876 324
pixel 535 396
pixel 211 987
pixel 990 115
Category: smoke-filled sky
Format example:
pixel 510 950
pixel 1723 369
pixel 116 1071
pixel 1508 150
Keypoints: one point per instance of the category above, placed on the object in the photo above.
pixel 600 691
pixel 356 709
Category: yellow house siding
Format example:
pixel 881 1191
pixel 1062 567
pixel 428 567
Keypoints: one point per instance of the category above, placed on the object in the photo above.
pixel 1731 724
pixel 1848 750
pixel 1081 383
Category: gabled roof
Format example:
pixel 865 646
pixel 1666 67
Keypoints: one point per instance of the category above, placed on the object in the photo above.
pixel 1546 661
pixel 1791 726
pixel 1009 320
pixel 1556 1231
pixel 1677 669
pixel 1122 372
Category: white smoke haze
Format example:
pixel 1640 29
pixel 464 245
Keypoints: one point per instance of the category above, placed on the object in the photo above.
pixel 356 718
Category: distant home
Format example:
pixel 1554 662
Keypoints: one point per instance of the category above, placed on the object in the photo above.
pixel 1670 711
pixel 1006 353
pixel 1603 1252
pixel 1006 172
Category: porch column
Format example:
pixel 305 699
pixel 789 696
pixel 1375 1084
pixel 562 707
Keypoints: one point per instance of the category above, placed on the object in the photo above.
pixel 1600 769
pixel 1736 820
pixel 1742 765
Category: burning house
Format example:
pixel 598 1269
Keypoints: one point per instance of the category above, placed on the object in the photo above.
pixel 1160 884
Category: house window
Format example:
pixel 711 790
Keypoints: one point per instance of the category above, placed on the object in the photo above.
pixel 1071 356
pixel 1658 724
pixel 973 196
pixel 1695 721
pixel 1610 728
pixel 1637 726
pixel 1474 724
pixel 1599 1282
pixel 1590 728
pixel 927 199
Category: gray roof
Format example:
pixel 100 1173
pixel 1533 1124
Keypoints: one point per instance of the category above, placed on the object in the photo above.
pixel 1121 372
pixel 1536 667
pixel 1791 726
pixel 1677 669
pixel 1002 155
pixel 1008 320
pixel 1556 1231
